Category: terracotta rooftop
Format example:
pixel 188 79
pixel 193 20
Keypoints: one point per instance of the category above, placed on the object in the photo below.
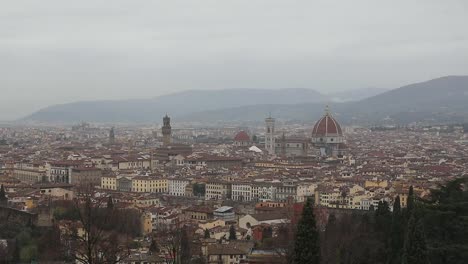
pixel 327 125
pixel 242 136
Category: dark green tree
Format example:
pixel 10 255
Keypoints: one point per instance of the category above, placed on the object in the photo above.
pixel 306 246
pixel 410 202
pixel 3 198
pixel 26 245
pixel 383 222
pixel 154 248
pixel 445 222
pixel 207 233
pixel 396 233
pixel 383 209
pixel 383 217
pixel 232 233
pixel 415 249
pixel 185 254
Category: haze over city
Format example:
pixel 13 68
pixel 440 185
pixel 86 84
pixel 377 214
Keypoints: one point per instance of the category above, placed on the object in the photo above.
pixel 55 52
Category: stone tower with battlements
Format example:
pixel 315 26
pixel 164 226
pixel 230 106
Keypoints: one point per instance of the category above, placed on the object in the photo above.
pixel 166 130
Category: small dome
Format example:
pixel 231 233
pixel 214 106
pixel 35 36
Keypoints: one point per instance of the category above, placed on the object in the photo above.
pixel 242 136
pixel 327 126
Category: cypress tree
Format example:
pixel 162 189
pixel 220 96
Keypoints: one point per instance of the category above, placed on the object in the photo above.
pixel 3 198
pixel 415 249
pixel 396 233
pixel 185 254
pixel 307 247
pixel 232 233
pixel 383 209
pixel 397 206
pixel 2 193
pixel 383 218
pixel 410 202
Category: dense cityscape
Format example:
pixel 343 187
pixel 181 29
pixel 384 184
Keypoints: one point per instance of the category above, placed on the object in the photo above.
pixel 234 132
pixel 179 194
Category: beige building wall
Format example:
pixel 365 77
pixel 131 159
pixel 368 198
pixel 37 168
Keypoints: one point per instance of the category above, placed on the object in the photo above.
pixel 29 175
pixel 381 184
pixel 149 185
pixel 109 183
pixel 146 224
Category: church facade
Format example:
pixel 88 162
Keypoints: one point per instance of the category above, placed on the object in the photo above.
pixel 291 146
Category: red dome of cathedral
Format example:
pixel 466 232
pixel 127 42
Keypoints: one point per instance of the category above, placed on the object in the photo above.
pixel 327 126
pixel 242 136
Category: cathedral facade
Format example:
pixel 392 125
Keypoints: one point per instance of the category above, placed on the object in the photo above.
pixel 326 140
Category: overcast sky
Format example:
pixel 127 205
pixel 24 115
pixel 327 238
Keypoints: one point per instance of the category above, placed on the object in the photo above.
pixel 57 51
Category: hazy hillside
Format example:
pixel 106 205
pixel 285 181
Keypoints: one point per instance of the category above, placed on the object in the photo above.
pixel 299 112
pixel 442 99
pixel 151 110
pixel 445 92
pixel 439 100
pixel 355 95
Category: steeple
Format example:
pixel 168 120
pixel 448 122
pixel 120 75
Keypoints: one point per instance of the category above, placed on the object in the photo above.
pixel 270 135
pixel 283 145
pixel 111 136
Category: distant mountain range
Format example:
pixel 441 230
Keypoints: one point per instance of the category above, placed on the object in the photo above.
pixel 176 104
pixel 442 99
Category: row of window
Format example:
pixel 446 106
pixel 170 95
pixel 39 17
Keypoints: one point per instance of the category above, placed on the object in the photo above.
pixel 150 185
pixel 151 190
pixel 289 145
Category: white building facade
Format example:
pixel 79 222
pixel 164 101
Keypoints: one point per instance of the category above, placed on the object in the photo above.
pixel 177 187
pixel 242 192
